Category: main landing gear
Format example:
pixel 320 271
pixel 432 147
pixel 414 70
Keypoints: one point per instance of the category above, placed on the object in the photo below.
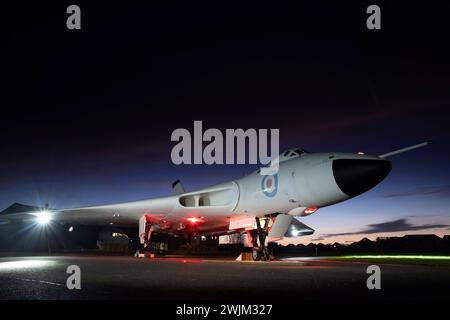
pixel 260 251
pixel 145 232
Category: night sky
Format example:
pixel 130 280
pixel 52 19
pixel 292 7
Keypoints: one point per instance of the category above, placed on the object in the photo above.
pixel 87 115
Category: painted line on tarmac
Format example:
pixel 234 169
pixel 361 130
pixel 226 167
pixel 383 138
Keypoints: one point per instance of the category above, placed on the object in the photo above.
pixel 38 281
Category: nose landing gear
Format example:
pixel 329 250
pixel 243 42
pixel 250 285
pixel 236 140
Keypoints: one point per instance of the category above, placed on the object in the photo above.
pixel 260 250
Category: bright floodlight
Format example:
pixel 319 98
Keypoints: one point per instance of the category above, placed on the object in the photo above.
pixel 295 232
pixel 43 217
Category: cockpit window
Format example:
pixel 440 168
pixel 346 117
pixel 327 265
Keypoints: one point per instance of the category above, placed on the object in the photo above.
pixel 292 153
pixel 300 151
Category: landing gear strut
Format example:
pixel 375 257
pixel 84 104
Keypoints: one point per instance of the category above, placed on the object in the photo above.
pixel 145 232
pixel 260 251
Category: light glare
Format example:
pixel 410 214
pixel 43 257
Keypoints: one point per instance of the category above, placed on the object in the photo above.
pixel 194 220
pixel 43 217
pixel 24 264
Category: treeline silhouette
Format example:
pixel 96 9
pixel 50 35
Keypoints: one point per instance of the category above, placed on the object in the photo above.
pixel 408 244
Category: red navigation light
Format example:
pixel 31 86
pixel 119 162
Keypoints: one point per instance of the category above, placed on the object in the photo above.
pixel 194 220
pixel 309 210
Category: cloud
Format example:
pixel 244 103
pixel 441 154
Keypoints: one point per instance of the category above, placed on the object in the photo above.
pixel 318 239
pixel 424 191
pixel 390 226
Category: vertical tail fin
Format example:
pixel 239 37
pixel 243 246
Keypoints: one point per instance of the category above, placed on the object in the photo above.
pixel 177 187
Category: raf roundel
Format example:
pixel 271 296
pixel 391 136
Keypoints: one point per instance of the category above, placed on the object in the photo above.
pixel 269 185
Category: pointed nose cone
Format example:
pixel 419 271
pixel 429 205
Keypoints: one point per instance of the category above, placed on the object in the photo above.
pixel 356 176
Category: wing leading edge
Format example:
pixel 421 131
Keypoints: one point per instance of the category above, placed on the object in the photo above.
pixel 214 204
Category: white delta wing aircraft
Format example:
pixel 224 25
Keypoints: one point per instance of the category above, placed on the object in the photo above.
pixel 265 207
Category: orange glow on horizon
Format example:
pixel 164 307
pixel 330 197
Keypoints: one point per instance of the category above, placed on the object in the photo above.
pixel 347 239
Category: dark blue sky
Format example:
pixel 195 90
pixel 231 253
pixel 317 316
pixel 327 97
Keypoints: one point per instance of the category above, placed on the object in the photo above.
pixel 87 115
